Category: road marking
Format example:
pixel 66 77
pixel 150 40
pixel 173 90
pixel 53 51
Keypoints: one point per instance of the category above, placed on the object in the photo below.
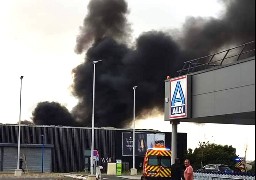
pixel 76 176
pixel 130 177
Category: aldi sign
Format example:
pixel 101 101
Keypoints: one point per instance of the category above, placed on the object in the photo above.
pixel 180 97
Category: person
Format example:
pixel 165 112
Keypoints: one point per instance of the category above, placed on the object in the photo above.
pixel 21 165
pixel 188 173
pixel 177 171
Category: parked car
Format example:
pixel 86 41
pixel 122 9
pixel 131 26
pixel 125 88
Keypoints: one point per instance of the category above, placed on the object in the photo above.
pixel 216 168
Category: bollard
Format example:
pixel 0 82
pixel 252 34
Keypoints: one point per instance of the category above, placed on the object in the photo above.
pixel 98 172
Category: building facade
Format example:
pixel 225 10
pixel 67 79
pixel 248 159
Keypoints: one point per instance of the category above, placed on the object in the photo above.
pixel 65 149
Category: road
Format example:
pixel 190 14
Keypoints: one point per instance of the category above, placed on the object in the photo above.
pixel 119 178
pixel 104 177
pixel 42 178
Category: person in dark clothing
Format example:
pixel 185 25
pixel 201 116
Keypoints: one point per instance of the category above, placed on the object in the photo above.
pixel 21 165
pixel 177 170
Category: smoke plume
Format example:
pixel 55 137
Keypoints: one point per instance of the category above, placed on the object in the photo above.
pixel 155 55
pixel 202 36
pixel 120 70
pixel 52 113
pixel 106 18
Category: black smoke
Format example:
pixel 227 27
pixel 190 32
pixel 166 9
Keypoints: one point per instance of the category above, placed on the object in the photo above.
pixel 52 113
pixel 120 70
pixel 154 55
pixel 202 36
pixel 106 18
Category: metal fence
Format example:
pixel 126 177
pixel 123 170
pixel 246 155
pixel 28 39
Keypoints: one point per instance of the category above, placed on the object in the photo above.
pixel 218 59
pixel 206 176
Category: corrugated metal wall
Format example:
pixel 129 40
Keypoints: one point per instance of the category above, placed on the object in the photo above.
pixel 35 157
pixel 9 160
pixel 1 159
pixel 70 144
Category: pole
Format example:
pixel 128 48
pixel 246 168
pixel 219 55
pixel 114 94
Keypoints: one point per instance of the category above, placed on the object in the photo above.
pixel 93 102
pixel 18 159
pixel 42 153
pixel 174 140
pixel 245 157
pixel 134 118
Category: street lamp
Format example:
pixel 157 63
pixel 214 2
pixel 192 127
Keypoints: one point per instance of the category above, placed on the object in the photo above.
pixel 18 170
pixel 93 101
pixel 134 171
pixel 42 139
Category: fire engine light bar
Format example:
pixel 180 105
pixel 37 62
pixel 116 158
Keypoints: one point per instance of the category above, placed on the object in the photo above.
pixel 161 149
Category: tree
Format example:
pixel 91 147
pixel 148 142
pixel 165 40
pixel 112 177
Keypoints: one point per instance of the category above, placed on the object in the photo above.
pixel 208 153
pixel 253 167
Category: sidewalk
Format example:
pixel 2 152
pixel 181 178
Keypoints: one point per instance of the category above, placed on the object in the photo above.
pixel 59 176
pixel 30 175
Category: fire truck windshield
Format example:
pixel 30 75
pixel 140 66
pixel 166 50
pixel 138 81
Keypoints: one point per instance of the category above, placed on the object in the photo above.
pixel 153 161
pixel 164 161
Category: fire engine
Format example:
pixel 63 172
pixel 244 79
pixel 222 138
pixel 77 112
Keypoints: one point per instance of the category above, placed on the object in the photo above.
pixel 157 163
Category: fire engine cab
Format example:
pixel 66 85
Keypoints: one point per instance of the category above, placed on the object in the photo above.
pixel 157 163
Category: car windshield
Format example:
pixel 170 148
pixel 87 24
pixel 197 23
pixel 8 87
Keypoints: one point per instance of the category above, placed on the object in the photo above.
pixel 224 168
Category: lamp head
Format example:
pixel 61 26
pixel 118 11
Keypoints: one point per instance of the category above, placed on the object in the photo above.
pixel 95 62
pixel 21 77
pixel 134 87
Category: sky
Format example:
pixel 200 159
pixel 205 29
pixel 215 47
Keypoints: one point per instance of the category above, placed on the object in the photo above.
pixel 38 38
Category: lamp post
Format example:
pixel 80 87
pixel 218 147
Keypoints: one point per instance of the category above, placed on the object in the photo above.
pixel 134 171
pixel 93 101
pixel 18 171
pixel 42 139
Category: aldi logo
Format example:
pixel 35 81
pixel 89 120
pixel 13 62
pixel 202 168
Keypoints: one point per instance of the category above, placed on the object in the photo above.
pixel 179 97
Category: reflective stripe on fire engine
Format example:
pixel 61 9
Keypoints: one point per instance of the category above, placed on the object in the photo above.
pixel 157 171
pixel 159 153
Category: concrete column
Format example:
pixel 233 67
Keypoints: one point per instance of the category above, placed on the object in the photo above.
pixel 134 172
pixel 18 172
pixel 174 139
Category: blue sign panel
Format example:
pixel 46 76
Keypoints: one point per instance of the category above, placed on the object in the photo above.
pixel 179 102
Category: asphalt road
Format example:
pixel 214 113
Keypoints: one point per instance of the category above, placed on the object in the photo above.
pixel 104 177
pixel 10 178
pixel 119 178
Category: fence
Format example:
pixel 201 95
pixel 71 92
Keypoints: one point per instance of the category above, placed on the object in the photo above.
pixel 218 59
pixel 206 176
